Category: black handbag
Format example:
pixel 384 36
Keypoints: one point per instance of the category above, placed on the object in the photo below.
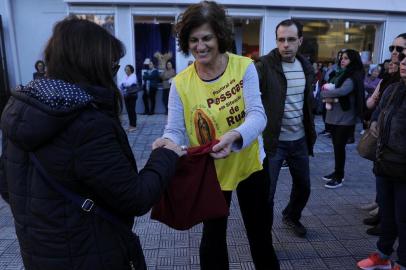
pixel 133 245
pixel 132 90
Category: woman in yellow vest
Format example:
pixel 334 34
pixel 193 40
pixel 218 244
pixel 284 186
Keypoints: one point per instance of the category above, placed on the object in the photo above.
pixel 218 98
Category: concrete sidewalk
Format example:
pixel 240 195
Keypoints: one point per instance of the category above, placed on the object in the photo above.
pixel 336 238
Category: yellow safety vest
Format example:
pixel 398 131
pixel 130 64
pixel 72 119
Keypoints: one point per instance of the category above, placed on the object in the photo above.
pixel 213 108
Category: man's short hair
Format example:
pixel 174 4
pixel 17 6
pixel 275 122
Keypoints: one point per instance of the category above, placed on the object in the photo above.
pixel 288 23
pixel 403 35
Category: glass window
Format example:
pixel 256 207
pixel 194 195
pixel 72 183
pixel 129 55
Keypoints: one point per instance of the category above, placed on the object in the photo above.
pixel 154 40
pixel 246 37
pixel 106 21
pixel 322 39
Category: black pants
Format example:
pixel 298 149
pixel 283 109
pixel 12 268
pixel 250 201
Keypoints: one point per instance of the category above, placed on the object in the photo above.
pixel 340 135
pixel 327 127
pixel 252 196
pixel 149 100
pixel 130 102
pixel 392 201
pixel 165 97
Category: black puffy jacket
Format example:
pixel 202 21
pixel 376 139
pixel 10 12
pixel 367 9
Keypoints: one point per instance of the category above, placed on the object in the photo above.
pixel 80 142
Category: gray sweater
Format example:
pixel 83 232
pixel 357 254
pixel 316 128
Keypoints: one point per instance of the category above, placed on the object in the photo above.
pixel 337 116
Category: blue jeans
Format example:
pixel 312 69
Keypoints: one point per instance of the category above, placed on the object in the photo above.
pixel 392 201
pixel 297 157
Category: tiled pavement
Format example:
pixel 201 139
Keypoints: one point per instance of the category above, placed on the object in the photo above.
pixel 336 237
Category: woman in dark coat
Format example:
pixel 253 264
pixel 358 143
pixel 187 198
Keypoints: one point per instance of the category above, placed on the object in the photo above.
pixel 390 171
pixel 70 123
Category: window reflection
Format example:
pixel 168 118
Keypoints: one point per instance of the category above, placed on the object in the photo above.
pixel 106 21
pixel 246 37
pixel 324 38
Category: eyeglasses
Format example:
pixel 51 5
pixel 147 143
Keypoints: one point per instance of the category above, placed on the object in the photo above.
pixel 115 69
pixel 289 40
pixel 399 49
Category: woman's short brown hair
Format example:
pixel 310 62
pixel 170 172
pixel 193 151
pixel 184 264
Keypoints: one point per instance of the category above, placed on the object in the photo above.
pixel 201 13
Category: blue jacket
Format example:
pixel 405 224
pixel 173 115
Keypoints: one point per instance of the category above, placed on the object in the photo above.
pixel 153 77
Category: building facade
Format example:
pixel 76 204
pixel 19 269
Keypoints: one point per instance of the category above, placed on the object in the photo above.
pixel 145 28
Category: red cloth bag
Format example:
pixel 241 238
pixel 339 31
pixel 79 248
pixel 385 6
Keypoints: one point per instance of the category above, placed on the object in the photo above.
pixel 194 194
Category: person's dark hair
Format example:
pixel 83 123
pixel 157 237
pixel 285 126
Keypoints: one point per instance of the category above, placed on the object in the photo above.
pixel 355 71
pixel 288 23
pixel 37 63
pixel 82 52
pixel 199 14
pixel 386 61
pixel 355 66
pixel 130 67
pixel 403 35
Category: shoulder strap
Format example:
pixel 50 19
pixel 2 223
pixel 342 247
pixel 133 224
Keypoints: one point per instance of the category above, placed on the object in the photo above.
pixel 86 204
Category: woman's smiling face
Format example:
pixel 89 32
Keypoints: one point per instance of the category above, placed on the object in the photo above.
pixel 203 44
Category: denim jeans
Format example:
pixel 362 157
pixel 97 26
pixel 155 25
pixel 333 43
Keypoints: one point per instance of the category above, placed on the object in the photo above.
pixel 297 157
pixel 392 201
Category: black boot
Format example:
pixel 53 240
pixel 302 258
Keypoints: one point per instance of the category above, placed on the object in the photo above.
pixel 372 221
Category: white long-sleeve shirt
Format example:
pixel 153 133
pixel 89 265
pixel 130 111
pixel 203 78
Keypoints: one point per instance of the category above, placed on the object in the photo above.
pixel 128 81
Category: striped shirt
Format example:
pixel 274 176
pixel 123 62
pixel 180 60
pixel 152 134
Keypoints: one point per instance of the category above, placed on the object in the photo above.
pixel 292 127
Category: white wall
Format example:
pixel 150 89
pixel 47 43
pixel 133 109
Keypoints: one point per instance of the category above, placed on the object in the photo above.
pixel 9 40
pixel 124 32
pixel 394 26
pixel 33 22
pixel 271 19
pixel 378 5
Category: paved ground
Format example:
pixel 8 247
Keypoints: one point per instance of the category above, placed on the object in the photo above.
pixel 336 237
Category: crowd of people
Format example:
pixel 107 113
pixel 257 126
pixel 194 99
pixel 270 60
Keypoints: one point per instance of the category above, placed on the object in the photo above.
pixel 70 177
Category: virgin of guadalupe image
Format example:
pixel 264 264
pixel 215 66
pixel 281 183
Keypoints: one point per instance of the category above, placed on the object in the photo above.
pixel 204 128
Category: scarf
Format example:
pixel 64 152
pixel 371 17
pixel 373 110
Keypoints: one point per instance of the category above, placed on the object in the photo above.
pixel 339 73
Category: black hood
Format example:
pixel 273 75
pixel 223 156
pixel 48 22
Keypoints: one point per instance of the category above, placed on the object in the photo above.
pixel 37 112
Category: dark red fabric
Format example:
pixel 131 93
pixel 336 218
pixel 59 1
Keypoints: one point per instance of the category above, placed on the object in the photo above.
pixel 194 194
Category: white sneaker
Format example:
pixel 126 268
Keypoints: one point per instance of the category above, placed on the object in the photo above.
pixel 374 212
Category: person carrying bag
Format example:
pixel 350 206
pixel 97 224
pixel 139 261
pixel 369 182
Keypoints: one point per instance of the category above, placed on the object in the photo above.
pixel 71 121
pixel 368 143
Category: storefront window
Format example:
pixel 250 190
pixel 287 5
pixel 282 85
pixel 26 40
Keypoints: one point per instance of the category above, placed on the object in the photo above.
pixel 322 39
pixel 154 41
pixel 246 37
pixel 106 21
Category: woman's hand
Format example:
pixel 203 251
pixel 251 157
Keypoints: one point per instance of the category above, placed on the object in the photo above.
pixel 328 87
pixel 168 144
pixel 223 148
